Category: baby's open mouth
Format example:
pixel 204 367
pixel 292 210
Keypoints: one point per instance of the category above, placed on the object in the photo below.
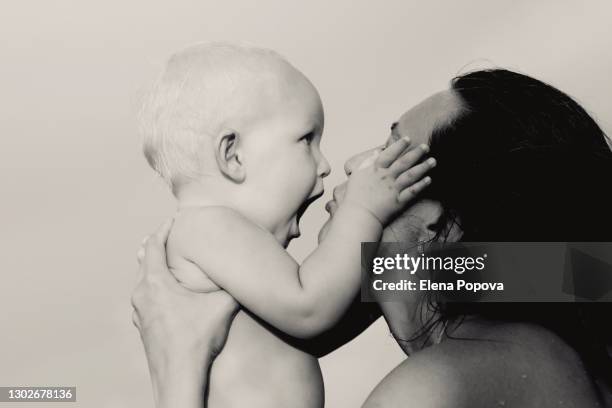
pixel 306 204
pixel 295 229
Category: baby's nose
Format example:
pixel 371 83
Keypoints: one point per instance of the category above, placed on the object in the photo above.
pixel 324 168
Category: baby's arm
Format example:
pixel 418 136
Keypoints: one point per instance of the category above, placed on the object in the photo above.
pixel 255 269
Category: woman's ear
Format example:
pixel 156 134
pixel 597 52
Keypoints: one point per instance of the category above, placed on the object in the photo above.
pixel 439 224
pixel 431 222
pixel 227 154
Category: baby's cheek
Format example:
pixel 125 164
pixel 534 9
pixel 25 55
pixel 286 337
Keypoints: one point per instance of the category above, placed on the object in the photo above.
pixel 310 167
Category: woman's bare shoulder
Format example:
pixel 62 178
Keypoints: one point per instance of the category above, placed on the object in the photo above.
pixel 513 366
pixel 424 380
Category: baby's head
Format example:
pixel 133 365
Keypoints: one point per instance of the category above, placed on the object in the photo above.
pixel 243 126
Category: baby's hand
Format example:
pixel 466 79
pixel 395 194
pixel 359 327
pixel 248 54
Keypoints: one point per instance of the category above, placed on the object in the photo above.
pixel 390 181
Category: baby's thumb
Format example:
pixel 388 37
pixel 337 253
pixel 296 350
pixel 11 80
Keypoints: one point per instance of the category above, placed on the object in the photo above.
pixel 369 161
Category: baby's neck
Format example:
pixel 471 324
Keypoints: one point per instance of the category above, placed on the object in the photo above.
pixel 217 193
pixel 204 194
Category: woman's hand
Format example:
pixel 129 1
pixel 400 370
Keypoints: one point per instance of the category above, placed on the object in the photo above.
pixel 182 331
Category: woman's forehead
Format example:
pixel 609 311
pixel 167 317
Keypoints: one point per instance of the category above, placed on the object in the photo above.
pixel 420 121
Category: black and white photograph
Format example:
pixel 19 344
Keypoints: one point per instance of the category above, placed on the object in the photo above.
pixel 315 204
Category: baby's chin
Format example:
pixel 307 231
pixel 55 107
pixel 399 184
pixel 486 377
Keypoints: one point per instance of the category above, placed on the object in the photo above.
pixel 293 228
pixel 293 231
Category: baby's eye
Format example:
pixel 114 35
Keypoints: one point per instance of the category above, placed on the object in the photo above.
pixel 307 138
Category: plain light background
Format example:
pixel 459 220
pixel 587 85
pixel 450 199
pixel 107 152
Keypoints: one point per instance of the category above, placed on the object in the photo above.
pixel 77 195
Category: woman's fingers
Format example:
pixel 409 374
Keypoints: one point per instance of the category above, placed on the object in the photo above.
pixel 141 251
pixel 155 265
pixel 135 319
pixel 413 190
pixel 408 160
pixel 153 268
pixel 392 152
pixel 164 230
pixel 414 174
pixel 140 255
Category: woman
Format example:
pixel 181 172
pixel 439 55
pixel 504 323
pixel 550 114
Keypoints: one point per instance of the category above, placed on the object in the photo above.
pixel 518 160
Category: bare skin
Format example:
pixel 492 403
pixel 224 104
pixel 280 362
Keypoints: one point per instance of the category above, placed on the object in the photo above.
pixel 182 331
pixel 486 364
pixel 493 365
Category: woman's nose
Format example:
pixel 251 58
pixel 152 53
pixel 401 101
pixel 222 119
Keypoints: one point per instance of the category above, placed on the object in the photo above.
pixel 354 162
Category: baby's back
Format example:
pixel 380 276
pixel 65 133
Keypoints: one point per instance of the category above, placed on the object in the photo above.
pixel 256 368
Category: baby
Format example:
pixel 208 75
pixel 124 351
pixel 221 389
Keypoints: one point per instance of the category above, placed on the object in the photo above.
pixel 236 132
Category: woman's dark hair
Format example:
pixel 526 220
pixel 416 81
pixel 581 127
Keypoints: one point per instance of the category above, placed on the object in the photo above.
pixel 525 162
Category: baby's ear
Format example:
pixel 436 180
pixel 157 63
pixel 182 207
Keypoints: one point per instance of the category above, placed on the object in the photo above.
pixel 228 156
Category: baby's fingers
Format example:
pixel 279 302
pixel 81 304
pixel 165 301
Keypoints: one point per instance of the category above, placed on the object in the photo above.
pixel 409 193
pixel 408 160
pixel 414 174
pixel 392 152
